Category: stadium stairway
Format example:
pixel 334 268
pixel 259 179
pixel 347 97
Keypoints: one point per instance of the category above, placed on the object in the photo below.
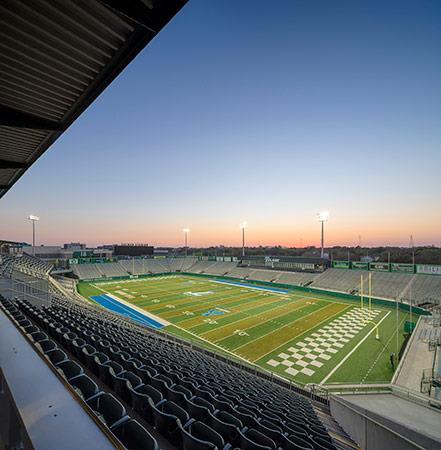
pixel 154 394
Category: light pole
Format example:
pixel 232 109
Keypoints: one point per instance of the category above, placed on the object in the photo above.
pixel 322 218
pixel 186 231
pixel 33 219
pixel 243 225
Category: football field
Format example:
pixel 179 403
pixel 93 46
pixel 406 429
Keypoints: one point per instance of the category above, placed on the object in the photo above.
pixel 305 337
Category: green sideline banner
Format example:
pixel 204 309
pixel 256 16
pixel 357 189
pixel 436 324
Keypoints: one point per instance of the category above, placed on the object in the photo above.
pixel 341 264
pixel 360 265
pixel 402 267
pixel 379 266
pixel 428 269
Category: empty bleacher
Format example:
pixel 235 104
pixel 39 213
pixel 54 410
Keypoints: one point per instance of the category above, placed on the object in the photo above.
pixel 425 289
pixel 240 272
pixel 297 278
pixel 389 285
pixel 219 268
pixel 113 269
pixel 337 280
pixel 86 271
pixel 264 275
pixel 146 389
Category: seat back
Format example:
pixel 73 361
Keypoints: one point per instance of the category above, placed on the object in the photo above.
pixel 85 386
pixel 135 437
pixel 254 440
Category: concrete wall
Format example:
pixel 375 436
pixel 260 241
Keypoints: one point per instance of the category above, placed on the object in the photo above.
pixel 372 431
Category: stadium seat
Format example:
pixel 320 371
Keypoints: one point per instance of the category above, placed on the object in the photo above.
pixel 251 439
pixel 88 353
pixel 46 345
pixel 57 356
pixel 120 384
pixel 98 363
pixel 226 425
pixel 246 416
pixel 70 369
pixel 223 403
pixel 108 409
pixel 198 436
pixel 134 436
pixel 179 394
pixel 86 387
pixel 294 442
pixel 113 370
pixel 143 399
pixel 161 381
pixel 77 346
pixel 38 336
pixel 271 430
pixel 321 443
pixel 199 408
pixel 169 417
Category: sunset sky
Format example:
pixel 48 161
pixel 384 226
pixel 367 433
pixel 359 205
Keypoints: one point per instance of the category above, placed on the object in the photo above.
pixel 260 111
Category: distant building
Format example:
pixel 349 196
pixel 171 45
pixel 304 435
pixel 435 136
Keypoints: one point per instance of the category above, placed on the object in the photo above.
pixel 74 246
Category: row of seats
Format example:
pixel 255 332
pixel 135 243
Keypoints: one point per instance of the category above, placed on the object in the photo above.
pixel 193 401
pixel 108 409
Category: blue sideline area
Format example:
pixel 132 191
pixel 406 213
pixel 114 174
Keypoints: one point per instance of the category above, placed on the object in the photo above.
pixel 125 310
pixel 249 285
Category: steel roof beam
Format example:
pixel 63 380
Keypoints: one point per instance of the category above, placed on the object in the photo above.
pixel 15 118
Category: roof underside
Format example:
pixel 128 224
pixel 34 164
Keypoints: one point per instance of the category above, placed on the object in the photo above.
pixel 56 57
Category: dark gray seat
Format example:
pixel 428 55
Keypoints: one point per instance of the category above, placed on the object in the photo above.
pixel 108 409
pixel 85 387
pixel 251 439
pixel 169 417
pixel 134 436
pixel 70 369
pixel 198 436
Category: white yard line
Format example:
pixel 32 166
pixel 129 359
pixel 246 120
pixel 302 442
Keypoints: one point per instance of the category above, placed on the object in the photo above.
pixel 284 311
pixel 351 352
pixel 222 349
pixel 293 337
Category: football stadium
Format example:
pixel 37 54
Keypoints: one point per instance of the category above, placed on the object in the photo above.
pixel 169 347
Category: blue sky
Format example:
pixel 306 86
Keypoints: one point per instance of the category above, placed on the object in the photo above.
pixel 259 111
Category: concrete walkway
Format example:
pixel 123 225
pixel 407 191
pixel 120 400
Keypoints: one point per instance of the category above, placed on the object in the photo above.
pixel 418 357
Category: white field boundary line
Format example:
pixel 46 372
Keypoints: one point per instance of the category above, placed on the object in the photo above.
pixel 142 311
pixel 294 337
pixel 351 352
pixel 381 352
pixel 136 308
pixel 222 349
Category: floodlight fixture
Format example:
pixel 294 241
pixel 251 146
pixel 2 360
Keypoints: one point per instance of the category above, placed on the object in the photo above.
pixel 186 231
pixel 243 225
pixel 322 218
pixel 33 218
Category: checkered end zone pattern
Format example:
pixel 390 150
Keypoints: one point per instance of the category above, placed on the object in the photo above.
pixel 307 356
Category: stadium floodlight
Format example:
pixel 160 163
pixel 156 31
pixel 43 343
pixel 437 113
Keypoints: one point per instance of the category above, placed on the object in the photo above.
pixel 243 225
pixel 322 218
pixel 186 231
pixel 34 219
